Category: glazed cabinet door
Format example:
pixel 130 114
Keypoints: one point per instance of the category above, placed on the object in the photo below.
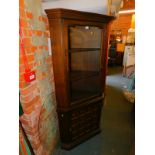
pixel 85 52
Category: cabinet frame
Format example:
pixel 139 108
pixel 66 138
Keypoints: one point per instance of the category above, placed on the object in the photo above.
pixel 59 22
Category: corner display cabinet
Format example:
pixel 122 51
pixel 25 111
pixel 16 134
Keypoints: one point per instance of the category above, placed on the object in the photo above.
pixel 79 42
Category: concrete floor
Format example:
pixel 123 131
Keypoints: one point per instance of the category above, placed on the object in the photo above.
pixel 117 123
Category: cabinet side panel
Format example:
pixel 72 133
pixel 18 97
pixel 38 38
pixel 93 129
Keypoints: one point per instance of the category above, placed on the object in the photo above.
pixel 59 62
pixel 104 58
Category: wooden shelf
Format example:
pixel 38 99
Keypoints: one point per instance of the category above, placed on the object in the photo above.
pixel 129 44
pixel 78 75
pixel 79 96
pixel 83 49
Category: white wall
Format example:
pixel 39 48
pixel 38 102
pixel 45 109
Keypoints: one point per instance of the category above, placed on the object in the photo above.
pixel 97 6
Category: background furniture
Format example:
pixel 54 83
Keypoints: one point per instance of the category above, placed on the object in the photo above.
pixel 120 53
pixel 116 49
pixel 112 56
pixel 79 43
pixel 129 60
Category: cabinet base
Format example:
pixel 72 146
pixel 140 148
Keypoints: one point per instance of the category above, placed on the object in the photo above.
pixel 80 123
pixel 69 146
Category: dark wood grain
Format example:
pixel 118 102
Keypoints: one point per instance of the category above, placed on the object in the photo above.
pixel 83 49
pixel 79 73
pixel 77 15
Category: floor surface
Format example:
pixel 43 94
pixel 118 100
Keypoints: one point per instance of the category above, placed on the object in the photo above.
pixel 117 124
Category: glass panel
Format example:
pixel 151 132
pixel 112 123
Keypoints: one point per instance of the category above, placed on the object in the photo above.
pixel 85 88
pixel 85 37
pixel 85 58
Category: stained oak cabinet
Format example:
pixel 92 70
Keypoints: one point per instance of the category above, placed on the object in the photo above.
pixel 79 43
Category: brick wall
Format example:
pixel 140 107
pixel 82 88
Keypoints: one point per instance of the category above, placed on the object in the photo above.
pixel 38 97
pixel 123 22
